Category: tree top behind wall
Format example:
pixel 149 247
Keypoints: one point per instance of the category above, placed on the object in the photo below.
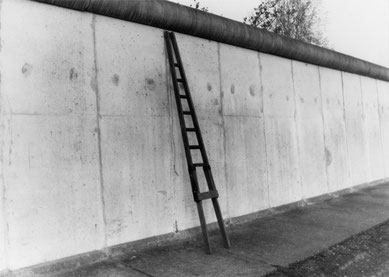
pixel 296 19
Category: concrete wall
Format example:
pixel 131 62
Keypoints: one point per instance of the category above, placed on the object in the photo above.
pixel 91 151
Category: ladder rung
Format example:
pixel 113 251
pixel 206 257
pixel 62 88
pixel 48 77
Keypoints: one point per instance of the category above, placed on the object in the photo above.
pixel 187 112
pixel 180 80
pixel 194 146
pixel 176 65
pixel 183 96
pixel 206 195
pixel 198 165
pixel 191 129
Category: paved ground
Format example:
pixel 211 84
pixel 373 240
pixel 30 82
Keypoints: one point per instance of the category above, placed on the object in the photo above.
pixel 344 236
pixel 365 254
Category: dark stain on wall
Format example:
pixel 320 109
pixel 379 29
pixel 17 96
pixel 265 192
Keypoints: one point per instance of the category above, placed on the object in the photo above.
pixel 232 89
pixel 26 69
pixel 252 90
pixel 150 84
pixel 209 86
pixel 328 157
pixel 73 74
pixel 115 79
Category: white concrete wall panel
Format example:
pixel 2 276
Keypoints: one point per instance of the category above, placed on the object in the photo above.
pixel 241 84
pixel 244 129
pixel 55 203
pixel 337 163
pixel 281 137
pixel 355 128
pixel 51 75
pixel 372 129
pixel 310 132
pixel 138 194
pixel 131 69
pixel 383 97
pixel 246 165
pixel 135 130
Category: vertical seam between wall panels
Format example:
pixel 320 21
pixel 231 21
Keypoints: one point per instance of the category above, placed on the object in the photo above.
pixel 4 191
pixel 380 126
pixel 297 137
pixel 4 208
pixel 173 170
pixel 366 142
pixel 95 87
pixel 324 130
pixel 350 174
pixel 224 132
pixel 264 131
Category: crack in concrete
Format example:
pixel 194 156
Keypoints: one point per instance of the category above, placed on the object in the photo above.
pixel 366 147
pixel 380 124
pixel 264 131
pixel 224 136
pixel 296 129
pixel 95 88
pixel 345 129
pixel 171 109
pixel 324 124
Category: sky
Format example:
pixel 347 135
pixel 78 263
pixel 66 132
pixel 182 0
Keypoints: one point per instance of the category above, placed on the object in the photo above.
pixel 359 28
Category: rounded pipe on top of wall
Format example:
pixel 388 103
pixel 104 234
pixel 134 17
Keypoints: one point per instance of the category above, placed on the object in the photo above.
pixel 168 15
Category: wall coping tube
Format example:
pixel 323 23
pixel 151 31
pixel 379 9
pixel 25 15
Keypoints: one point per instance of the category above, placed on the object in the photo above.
pixel 178 18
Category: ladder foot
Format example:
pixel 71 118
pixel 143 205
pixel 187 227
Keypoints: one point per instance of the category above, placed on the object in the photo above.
pixel 203 225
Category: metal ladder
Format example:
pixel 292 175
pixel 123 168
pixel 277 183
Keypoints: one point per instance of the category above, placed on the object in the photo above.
pixel 176 63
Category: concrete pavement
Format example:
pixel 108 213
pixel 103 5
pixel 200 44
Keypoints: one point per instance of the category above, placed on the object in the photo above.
pixel 259 247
